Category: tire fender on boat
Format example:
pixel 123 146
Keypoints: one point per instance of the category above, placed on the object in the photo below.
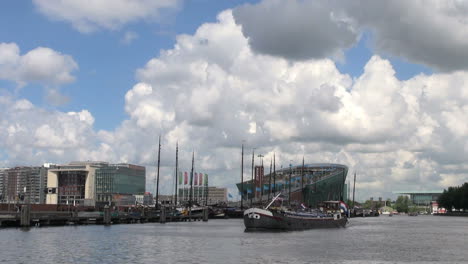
pixel 254 216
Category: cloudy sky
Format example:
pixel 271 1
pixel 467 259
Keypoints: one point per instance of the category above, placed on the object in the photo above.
pixel 379 86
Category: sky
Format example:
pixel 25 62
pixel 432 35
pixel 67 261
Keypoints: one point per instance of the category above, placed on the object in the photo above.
pixel 379 86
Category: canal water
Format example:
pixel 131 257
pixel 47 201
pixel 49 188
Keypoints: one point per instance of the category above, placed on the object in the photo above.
pixel 397 239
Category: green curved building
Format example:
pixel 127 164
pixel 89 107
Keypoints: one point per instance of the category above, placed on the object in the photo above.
pixel 309 184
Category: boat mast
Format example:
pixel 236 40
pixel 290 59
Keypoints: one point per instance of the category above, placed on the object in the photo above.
pixel 206 190
pixel 274 173
pixel 157 176
pixel 290 174
pixel 260 175
pixel 191 181
pixel 242 177
pixel 302 180
pixel 354 187
pixel 176 171
pixel 269 180
pixel 253 180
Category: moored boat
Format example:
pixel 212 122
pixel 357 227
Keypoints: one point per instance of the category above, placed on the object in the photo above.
pixel 281 218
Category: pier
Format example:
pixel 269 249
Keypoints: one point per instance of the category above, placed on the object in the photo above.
pixel 52 215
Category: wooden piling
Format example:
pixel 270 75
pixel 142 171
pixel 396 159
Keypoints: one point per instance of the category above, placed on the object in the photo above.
pixel 205 214
pixel 107 215
pixel 25 220
pixel 162 215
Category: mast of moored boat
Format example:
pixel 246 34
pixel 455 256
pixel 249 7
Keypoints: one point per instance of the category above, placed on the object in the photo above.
pixel 157 175
pixel 242 177
pixel 302 180
pixel 176 171
pixel 191 187
pixel 290 175
pixel 206 190
pixel 354 188
pixel 253 185
pixel 274 173
pixel 269 180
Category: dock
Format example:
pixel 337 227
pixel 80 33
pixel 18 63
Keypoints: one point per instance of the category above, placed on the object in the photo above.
pixel 31 215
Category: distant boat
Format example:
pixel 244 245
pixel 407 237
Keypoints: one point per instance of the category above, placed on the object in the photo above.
pixel 281 218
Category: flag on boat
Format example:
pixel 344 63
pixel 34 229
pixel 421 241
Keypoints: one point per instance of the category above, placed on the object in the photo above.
pixel 180 178
pixel 343 206
pixel 229 195
pixel 185 178
pixel 200 178
pixel 303 206
pixel 196 179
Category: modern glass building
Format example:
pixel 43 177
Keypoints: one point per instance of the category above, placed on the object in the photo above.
pixel 310 184
pixel 119 179
pixel 88 183
pixel 421 198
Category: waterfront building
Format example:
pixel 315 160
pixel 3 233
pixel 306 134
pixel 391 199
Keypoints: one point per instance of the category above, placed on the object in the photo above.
pixel 421 198
pixel 320 182
pixel 23 184
pixel 215 194
pixel 144 199
pixel 164 199
pixel 91 183
pixel 2 185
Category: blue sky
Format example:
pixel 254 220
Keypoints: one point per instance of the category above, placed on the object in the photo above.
pixel 366 85
pixel 107 65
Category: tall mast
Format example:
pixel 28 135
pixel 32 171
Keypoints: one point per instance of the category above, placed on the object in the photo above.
pixel 157 176
pixel 269 180
pixel 302 180
pixel 349 191
pixel 176 171
pixel 253 180
pixel 274 173
pixel 242 177
pixel 206 190
pixel 290 175
pixel 191 181
pixel 354 187
pixel 260 175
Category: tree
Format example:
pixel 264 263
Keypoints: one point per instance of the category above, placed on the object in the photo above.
pixel 402 204
pixel 388 202
pixel 464 198
pixel 444 200
pixel 367 204
pixel 455 197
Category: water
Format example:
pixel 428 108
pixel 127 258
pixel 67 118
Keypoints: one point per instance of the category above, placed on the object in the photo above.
pixel 398 239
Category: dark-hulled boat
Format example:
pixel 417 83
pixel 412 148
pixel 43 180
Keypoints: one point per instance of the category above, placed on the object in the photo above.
pixel 280 218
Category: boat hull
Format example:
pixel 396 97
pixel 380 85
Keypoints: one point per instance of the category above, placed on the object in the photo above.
pixel 256 219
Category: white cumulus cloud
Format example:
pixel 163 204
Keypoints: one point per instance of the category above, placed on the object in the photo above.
pixel 433 33
pixel 40 65
pixel 211 92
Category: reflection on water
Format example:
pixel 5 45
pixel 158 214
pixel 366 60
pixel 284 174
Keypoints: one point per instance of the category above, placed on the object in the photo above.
pixel 398 239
